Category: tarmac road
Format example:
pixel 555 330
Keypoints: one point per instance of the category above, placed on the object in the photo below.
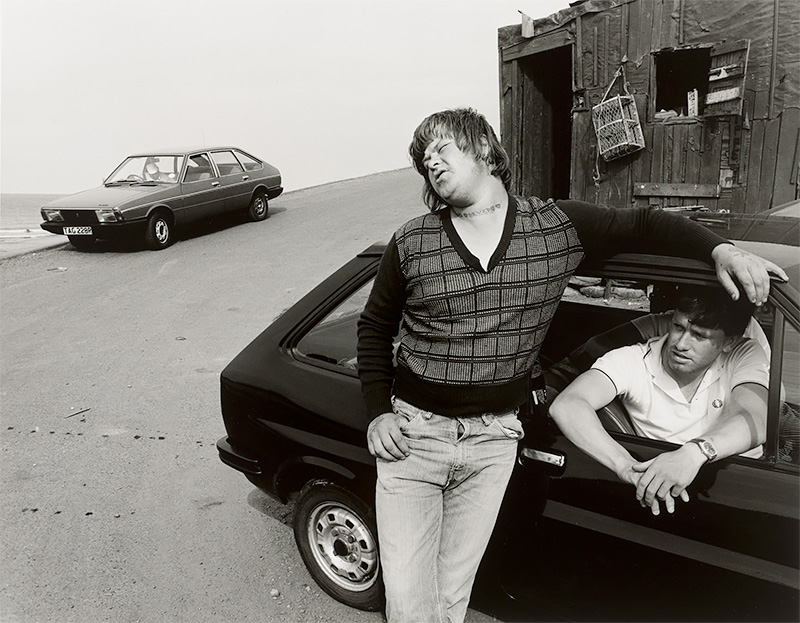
pixel 113 503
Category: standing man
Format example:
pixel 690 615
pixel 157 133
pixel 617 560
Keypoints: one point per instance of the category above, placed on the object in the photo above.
pixel 472 288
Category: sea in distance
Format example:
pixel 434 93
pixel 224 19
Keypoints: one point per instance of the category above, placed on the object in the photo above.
pixel 21 211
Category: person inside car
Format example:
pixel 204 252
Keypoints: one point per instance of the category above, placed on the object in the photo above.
pixel 702 385
pixel 152 173
pixel 151 170
pixel 473 286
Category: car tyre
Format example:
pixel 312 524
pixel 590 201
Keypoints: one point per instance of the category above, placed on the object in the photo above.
pixel 337 538
pixel 82 243
pixel 259 207
pixel 159 231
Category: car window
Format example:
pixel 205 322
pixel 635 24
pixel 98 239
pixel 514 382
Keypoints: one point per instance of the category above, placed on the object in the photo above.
pixel 789 423
pixel 151 168
pixel 249 163
pixel 198 168
pixel 333 339
pixel 598 315
pixel 226 162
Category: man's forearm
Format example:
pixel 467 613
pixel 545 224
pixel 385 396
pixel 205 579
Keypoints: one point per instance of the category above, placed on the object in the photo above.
pixel 743 425
pixel 580 424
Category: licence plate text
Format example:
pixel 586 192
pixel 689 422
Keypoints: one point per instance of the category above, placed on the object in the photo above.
pixel 77 231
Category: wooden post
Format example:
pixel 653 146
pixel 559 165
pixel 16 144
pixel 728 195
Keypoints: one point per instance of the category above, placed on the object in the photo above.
pixel 773 70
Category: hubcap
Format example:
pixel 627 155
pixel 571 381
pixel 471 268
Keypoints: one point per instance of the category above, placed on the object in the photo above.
pixel 162 231
pixel 343 547
pixel 259 206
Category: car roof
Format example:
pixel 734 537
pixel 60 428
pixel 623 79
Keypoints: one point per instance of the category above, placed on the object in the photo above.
pixel 182 151
pixel 376 249
pixel 784 255
pixel 789 209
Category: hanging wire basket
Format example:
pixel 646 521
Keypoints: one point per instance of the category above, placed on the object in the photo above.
pixel 616 123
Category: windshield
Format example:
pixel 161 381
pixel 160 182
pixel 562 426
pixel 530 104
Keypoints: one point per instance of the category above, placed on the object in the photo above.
pixel 152 169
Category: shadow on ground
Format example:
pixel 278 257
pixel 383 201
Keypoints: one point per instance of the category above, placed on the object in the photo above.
pixel 271 507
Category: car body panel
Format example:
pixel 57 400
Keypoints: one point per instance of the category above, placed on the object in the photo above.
pixel 571 541
pixel 740 526
pixel 122 197
pixel 202 199
pixel 235 181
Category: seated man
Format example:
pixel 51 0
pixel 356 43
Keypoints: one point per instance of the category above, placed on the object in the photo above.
pixel 152 172
pixel 701 385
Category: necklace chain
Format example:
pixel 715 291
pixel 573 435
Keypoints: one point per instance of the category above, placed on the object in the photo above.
pixel 488 210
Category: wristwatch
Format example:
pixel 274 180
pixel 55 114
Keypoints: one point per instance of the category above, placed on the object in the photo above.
pixel 706 447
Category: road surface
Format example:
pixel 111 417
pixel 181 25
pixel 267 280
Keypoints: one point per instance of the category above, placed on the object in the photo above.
pixel 114 504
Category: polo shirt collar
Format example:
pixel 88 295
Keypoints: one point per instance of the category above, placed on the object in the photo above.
pixel 652 361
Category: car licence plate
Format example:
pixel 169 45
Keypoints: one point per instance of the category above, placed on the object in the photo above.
pixel 77 231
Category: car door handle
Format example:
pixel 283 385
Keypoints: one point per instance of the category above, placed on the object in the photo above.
pixel 551 458
pixel 215 183
pixel 245 177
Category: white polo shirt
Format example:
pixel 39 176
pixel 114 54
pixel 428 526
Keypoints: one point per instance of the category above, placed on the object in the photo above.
pixel 658 408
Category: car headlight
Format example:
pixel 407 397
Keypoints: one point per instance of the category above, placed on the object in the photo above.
pixel 49 214
pixel 108 215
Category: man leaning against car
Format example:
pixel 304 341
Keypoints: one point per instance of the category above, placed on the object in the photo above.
pixel 474 285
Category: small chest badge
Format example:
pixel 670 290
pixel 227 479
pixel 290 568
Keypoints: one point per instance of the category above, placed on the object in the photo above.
pixel 716 403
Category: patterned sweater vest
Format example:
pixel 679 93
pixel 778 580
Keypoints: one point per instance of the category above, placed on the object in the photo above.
pixel 467 327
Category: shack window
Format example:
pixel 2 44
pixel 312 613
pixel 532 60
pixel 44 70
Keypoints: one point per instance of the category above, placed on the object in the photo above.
pixel 681 82
pixel 701 82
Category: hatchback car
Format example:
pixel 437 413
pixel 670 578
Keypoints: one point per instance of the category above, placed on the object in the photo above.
pixel 150 194
pixel 571 542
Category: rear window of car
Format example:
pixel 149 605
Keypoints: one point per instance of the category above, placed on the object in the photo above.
pixel 248 162
pixel 334 338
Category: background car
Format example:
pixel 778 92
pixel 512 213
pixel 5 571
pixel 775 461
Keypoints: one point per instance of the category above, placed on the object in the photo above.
pixel 149 195
pixel 572 542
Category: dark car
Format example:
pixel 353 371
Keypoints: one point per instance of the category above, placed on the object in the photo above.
pixel 780 224
pixel 572 542
pixel 150 194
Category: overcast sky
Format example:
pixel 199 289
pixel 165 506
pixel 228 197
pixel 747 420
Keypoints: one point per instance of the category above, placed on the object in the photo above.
pixel 324 90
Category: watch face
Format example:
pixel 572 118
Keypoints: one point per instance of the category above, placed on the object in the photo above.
pixel 708 449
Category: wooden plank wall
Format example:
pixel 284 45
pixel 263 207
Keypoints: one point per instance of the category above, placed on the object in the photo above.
pixel 754 157
pixel 679 152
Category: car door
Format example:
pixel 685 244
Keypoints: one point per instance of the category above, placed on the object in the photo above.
pixel 203 194
pixel 234 180
pixel 576 543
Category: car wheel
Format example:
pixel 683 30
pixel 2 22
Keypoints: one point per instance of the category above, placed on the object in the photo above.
pixel 337 538
pixel 259 207
pixel 84 243
pixel 159 231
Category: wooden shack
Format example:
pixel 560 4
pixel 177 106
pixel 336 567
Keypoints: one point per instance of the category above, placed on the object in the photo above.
pixel 716 87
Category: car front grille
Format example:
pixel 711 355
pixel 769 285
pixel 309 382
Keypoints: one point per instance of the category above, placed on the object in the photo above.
pixel 79 216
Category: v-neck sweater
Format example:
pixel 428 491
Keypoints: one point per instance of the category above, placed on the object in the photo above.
pixel 468 337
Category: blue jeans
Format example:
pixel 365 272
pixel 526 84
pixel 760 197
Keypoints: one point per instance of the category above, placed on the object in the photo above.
pixel 436 509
